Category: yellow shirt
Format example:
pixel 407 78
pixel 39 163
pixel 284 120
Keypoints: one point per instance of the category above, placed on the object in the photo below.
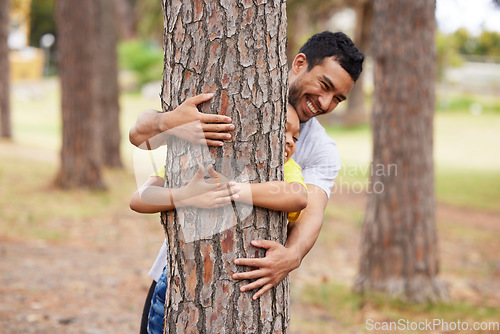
pixel 160 173
pixel 293 173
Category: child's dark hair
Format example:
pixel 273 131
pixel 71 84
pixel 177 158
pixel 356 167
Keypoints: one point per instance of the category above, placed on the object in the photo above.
pixel 337 45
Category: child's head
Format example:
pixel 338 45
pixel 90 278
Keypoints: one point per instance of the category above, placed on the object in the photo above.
pixel 292 131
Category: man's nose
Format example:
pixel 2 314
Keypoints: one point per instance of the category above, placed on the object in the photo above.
pixel 326 101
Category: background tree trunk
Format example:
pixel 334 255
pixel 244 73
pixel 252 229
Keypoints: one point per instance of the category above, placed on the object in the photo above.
pixel 126 19
pixel 5 122
pixel 235 49
pixel 80 160
pixel 108 108
pixel 356 113
pixel 399 245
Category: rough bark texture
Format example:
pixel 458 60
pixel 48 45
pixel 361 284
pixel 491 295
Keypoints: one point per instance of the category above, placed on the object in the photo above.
pixel 5 122
pixel 108 108
pixel 80 160
pixel 235 49
pixel 399 245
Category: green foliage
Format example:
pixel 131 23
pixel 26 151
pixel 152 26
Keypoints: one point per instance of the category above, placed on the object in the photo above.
pixel 447 54
pixel 150 25
pixel 42 20
pixel 143 58
pixel 486 44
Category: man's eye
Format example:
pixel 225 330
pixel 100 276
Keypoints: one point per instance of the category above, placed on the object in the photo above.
pixel 338 99
pixel 295 139
pixel 325 86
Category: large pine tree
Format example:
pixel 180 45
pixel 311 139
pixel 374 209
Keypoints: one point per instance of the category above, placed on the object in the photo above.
pixel 77 46
pixel 235 49
pixel 399 243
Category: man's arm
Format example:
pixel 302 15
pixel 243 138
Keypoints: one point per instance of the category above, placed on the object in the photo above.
pixel 185 122
pixel 281 260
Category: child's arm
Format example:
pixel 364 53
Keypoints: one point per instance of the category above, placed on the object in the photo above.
pixel 274 195
pixel 152 197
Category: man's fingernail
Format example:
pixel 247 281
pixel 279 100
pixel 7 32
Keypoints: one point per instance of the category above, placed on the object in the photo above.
pixel 242 289
pixel 236 262
pixel 231 126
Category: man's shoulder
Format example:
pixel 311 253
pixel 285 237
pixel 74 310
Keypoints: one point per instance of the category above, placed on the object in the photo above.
pixel 313 133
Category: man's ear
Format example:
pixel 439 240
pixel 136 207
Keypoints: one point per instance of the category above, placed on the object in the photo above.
pixel 299 63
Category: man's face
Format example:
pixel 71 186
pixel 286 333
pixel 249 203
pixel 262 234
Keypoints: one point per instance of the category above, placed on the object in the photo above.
pixel 318 91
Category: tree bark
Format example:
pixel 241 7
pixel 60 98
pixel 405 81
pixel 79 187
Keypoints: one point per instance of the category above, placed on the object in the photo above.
pixel 80 158
pixel 235 49
pixel 399 242
pixel 108 108
pixel 5 122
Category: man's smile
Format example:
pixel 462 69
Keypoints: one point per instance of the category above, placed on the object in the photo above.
pixel 311 107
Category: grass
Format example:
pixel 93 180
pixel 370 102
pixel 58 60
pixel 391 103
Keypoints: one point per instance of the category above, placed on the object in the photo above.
pixel 478 190
pixel 467 103
pixel 352 310
pixel 35 209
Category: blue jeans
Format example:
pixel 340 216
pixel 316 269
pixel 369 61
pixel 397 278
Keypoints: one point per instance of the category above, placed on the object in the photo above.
pixel 157 310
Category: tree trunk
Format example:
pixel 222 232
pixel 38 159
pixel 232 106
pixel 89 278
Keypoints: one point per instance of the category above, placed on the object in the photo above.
pixel 356 111
pixel 80 160
pixel 399 242
pixel 126 19
pixel 5 122
pixel 235 49
pixel 298 18
pixel 108 108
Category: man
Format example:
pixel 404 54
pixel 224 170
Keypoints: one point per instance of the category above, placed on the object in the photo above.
pixel 322 75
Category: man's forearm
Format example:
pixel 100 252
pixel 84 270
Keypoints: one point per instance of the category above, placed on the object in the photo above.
pixel 146 127
pixel 304 232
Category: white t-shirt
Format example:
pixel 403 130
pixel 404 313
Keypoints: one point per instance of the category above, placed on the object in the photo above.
pixel 317 155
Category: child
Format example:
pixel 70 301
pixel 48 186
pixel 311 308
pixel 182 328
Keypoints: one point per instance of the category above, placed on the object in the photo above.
pixel 289 195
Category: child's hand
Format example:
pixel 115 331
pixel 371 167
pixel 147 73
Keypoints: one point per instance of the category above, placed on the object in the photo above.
pixel 211 193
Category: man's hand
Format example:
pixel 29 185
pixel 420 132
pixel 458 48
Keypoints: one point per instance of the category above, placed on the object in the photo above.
pixel 271 269
pixel 184 122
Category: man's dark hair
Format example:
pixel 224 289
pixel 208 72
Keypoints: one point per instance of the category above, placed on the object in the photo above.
pixel 337 45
